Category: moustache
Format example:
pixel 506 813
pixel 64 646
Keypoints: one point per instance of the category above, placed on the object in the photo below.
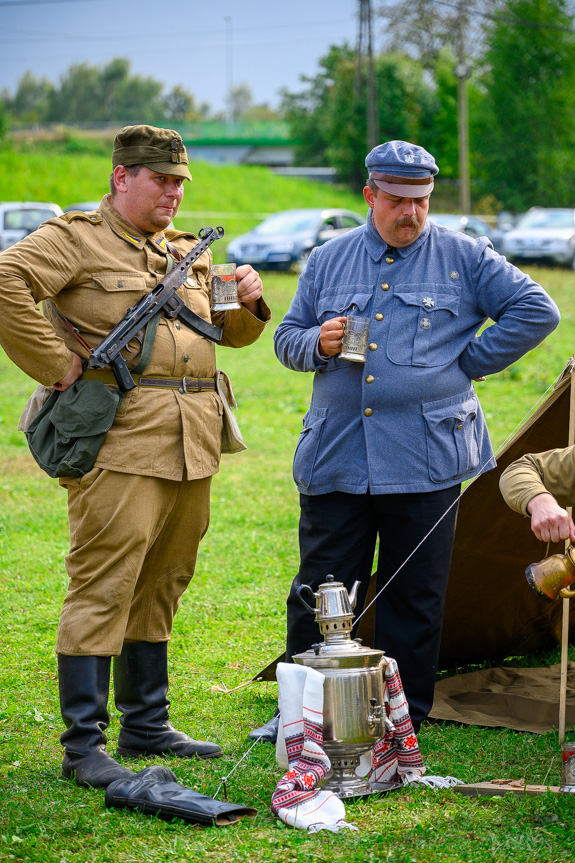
pixel 407 222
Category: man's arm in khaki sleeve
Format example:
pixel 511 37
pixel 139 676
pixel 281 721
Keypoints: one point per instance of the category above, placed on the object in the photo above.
pixel 34 269
pixel 541 485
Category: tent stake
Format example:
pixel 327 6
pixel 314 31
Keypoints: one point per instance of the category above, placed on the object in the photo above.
pixel 565 619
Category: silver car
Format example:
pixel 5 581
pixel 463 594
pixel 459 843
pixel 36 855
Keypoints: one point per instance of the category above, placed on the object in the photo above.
pixel 473 226
pixel 284 241
pixel 18 219
pixel 543 233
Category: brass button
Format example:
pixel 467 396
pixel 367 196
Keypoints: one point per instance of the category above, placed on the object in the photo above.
pixel 186 358
pixel 369 379
pixel 379 316
pixel 177 326
pixel 368 412
pixel 460 426
pixel 389 260
pixel 373 346
pixel 385 286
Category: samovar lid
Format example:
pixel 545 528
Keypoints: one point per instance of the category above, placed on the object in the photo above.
pixel 345 654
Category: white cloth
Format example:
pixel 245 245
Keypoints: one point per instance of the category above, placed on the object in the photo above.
pixel 297 800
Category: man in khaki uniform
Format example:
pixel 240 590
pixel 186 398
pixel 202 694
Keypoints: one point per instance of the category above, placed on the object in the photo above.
pixel 137 518
pixel 540 485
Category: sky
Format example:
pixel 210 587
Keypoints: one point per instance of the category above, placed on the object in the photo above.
pixel 204 46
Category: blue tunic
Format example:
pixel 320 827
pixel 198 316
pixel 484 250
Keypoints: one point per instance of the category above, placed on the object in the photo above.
pixel 408 420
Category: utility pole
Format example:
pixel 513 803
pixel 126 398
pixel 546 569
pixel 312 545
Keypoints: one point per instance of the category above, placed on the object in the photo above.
pixel 462 72
pixel 365 52
pixel 229 71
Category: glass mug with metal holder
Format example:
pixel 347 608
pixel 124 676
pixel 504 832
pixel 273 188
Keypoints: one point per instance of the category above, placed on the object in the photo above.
pixel 355 339
pixel 224 287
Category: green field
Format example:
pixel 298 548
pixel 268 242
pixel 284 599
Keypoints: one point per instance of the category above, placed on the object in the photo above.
pixel 230 625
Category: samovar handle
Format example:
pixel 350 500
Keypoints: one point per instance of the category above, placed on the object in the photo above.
pixel 299 592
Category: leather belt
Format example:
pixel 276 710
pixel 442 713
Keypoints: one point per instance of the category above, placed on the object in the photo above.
pixel 185 384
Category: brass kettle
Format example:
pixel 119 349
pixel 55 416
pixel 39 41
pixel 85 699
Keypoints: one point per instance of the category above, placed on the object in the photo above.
pixel 551 577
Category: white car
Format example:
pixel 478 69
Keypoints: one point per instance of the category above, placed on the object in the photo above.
pixel 18 219
pixel 543 233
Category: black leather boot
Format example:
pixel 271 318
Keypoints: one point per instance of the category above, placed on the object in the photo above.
pixel 84 683
pixel 268 733
pixel 141 693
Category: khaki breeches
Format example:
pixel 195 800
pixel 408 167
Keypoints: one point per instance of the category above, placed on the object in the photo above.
pixel 133 548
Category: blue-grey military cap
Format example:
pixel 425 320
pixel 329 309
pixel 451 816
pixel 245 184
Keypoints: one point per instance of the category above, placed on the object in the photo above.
pixel 402 169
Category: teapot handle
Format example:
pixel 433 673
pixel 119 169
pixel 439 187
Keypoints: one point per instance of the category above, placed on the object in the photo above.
pixel 299 592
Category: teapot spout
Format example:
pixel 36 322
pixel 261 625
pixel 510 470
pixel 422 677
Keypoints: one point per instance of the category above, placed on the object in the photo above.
pixel 353 595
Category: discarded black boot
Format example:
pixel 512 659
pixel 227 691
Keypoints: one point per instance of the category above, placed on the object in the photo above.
pixel 268 733
pixel 141 693
pixel 167 799
pixel 84 683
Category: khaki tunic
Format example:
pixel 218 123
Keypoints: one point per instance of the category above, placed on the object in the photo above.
pixel 137 518
pixel 94 267
pixel 535 473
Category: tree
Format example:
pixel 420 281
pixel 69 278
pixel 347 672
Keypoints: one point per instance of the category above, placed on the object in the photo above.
pixel 180 105
pixel 424 29
pixel 31 101
pixel 106 94
pixel 527 125
pixel 328 118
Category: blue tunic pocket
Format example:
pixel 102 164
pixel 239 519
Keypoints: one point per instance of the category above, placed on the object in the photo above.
pixel 307 446
pixel 420 332
pixel 453 449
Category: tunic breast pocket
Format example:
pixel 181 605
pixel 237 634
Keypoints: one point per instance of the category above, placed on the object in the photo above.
pixel 421 330
pixel 121 291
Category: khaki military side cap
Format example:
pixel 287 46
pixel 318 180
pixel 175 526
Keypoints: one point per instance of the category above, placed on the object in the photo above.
pixel 159 150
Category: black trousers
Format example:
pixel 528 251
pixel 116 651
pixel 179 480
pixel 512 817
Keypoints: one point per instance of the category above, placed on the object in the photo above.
pixel 338 534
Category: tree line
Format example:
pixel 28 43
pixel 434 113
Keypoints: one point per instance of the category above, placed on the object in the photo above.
pixel 521 90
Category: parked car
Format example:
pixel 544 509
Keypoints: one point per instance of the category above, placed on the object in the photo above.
pixel 84 206
pixel 284 241
pixel 18 219
pixel 543 233
pixel 473 226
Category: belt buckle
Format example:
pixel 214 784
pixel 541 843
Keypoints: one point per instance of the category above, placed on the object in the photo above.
pixel 197 388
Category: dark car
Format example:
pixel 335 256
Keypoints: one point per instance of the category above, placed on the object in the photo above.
pixel 284 241
pixel 473 226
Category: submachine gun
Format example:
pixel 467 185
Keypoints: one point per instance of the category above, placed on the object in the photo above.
pixel 161 298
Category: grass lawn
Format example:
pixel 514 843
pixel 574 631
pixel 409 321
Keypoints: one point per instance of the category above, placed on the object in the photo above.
pixel 230 625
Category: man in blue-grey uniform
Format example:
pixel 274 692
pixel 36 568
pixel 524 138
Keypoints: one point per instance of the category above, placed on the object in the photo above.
pixel 386 445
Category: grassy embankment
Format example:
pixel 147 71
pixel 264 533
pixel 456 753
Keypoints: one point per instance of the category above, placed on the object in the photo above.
pixel 230 625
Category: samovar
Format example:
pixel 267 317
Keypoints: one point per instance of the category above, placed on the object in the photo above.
pixel 354 715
